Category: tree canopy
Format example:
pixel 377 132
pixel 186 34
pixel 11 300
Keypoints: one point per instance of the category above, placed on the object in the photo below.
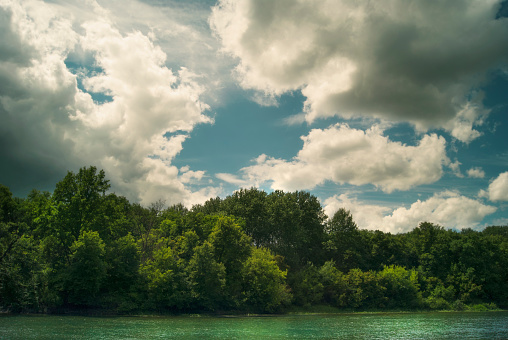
pixel 83 247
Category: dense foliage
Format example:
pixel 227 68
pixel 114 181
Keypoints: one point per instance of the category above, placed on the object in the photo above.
pixel 84 248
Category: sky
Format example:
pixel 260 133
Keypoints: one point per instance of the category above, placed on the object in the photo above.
pixel 396 110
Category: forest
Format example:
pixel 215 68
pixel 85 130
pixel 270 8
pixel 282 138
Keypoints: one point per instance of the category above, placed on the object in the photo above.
pixel 84 248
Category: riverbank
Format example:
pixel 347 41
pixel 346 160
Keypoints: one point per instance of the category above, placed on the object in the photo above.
pixel 458 307
pixel 293 310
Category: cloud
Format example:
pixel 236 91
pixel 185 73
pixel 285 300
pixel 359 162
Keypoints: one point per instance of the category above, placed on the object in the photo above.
pixel 476 173
pixel 366 216
pixel 345 155
pixel 232 179
pixel 449 209
pixel 179 27
pixel 52 122
pixel 417 62
pixel 498 189
pixel 455 167
pixel 35 91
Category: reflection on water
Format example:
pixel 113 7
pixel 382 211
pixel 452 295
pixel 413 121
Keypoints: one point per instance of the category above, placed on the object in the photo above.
pixel 492 325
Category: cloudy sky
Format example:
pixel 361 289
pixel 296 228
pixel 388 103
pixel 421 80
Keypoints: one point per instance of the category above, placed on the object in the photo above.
pixel 396 110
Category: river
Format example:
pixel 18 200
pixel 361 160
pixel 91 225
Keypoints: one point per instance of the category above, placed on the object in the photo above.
pixel 467 325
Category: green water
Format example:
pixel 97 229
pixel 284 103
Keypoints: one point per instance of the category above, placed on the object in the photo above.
pixel 492 325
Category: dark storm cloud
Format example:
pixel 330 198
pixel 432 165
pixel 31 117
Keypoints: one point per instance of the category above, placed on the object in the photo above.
pixel 417 61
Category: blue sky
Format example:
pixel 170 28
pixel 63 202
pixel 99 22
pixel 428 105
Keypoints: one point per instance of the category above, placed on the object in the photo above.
pixel 395 110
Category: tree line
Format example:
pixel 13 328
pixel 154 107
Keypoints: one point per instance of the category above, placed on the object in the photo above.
pixel 82 247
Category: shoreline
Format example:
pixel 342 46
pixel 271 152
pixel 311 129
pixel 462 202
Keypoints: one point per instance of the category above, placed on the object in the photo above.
pixel 310 312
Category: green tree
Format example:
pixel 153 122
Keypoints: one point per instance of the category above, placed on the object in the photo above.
pixel 87 269
pixel 385 250
pixel 334 284
pixel 79 199
pixel 186 244
pixel 19 261
pixel 211 207
pixel 123 261
pixel 39 213
pixel 431 247
pixel 306 286
pixel 496 240
pixel 20 282
pixel 11 228
pixel 297 220
pixel 173 221
pixel 231 247
pixel 402 288
pixel 113 218
pixel 467 284
pixel 439 296
pixel 207 278
pixel 8 206
pixel 289 224
pixel 251 206
pixel 165 280
pixel 264 283
pixel 364 290
pixel 344 241
pixel 146 223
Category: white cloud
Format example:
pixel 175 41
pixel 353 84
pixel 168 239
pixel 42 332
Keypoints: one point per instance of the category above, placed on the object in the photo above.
pixel 500 222
pixel 232 179
pixel 461 127
pixel 191 176
pixel 366 216
pixel 498 189
pixel 448 209
pixel 179 28
pixel 345 155
pixel 405 61
pixel 476 173
pixel 455 167
pixel 134 137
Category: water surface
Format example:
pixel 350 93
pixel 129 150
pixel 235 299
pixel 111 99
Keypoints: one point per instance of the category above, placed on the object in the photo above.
pixel 491 325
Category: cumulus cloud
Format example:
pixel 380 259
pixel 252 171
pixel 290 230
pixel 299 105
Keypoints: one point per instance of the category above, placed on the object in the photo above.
pixel 55 123
pixel 35 91
pixel 366 216
pixel 399 60
pixel 476 173
pixel 346 155
pixel 448 209
pixel 498 189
